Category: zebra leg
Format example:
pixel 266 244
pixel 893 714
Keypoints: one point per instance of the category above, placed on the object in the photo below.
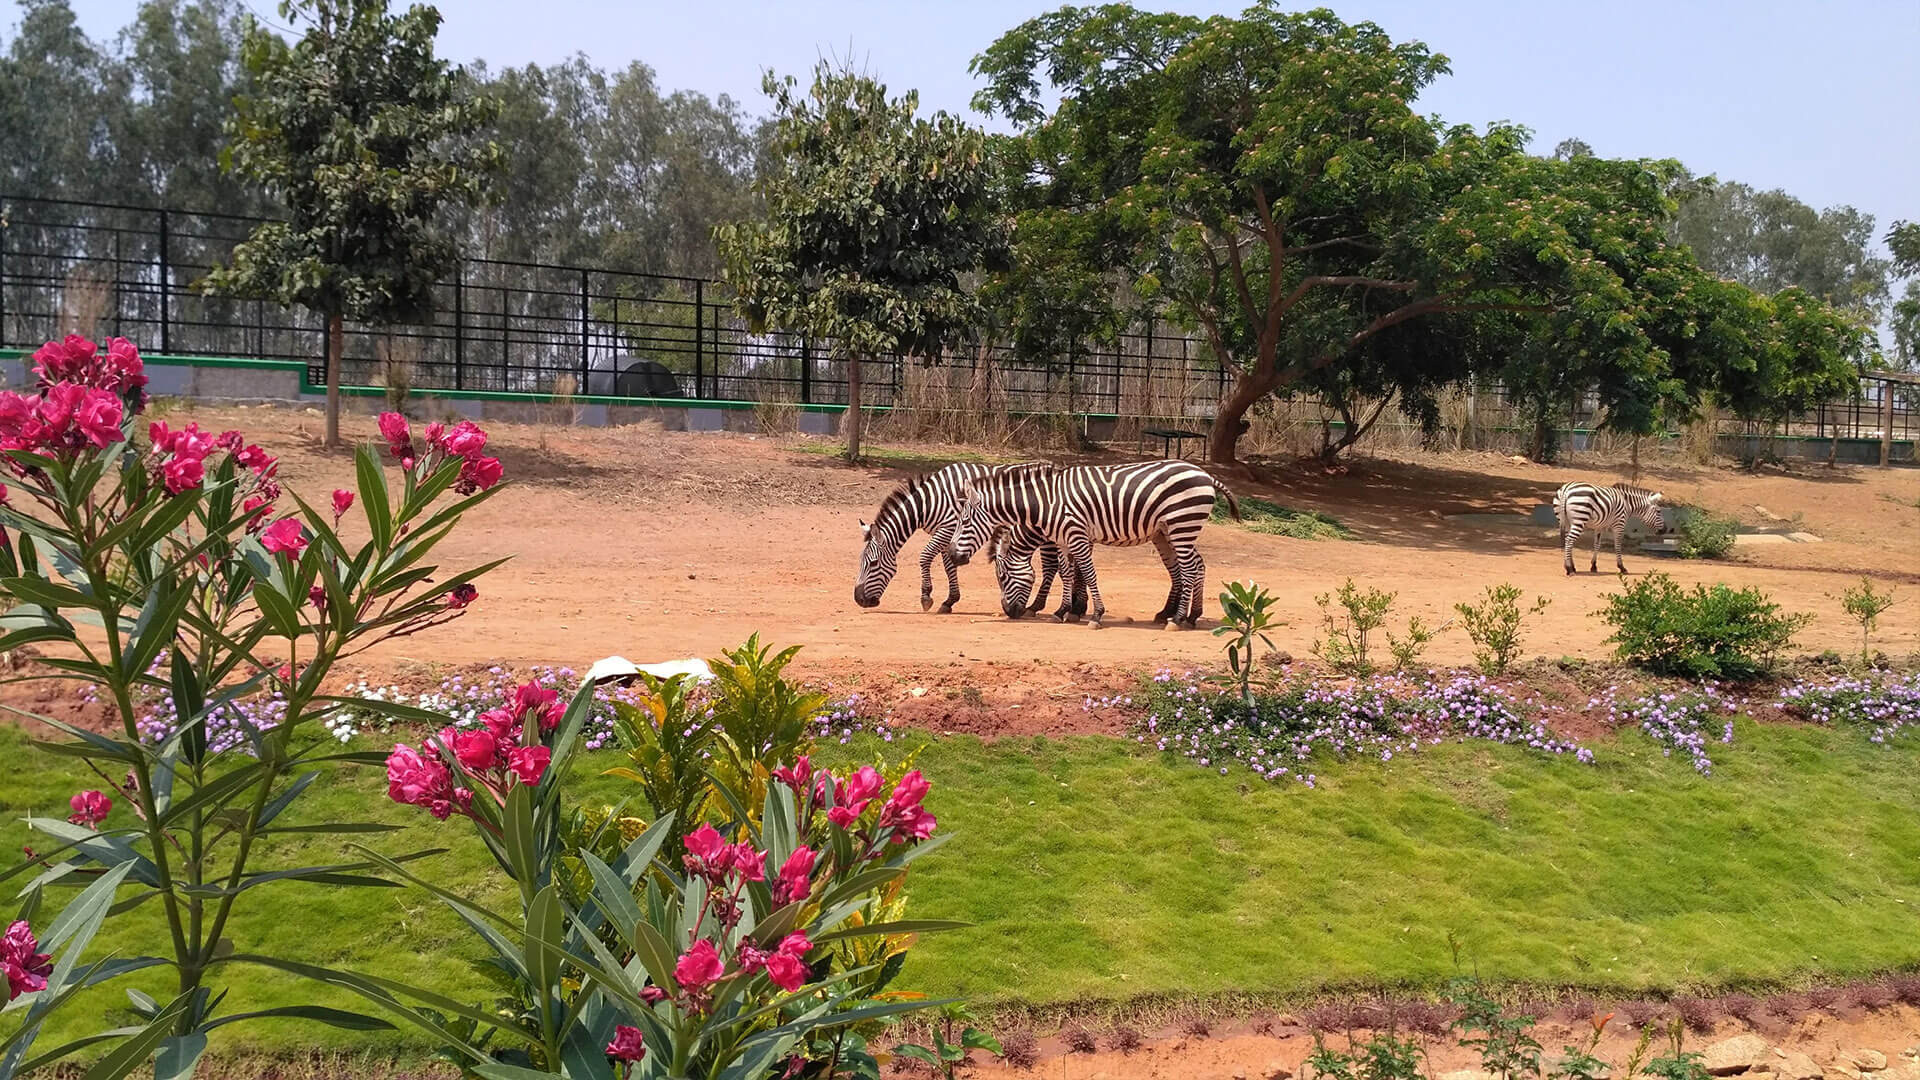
pixel 936 546
pixel 1070 584
pixel 1568 538
pixel 1593 567
pixel 1049 569
pixel 1196 575
pixel 1080 552
pixel 953 581
pixel 1619 536
pixel 1173 608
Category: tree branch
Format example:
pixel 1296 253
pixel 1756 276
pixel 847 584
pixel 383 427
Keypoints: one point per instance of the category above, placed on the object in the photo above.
pixel 1307 284
pixel 1239 279
pixel 1356 241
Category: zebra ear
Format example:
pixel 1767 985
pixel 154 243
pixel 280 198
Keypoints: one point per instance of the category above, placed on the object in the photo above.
pixel 865 529
pixel 1654 498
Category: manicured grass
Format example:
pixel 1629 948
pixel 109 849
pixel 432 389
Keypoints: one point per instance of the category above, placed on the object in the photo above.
pixel 1261 516
pixel 1093 872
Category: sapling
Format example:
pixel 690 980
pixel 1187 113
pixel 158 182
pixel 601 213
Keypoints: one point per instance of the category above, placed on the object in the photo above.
pixel 1866 605
pixel 1345 646
pixel 1494 626
pixel 1244 615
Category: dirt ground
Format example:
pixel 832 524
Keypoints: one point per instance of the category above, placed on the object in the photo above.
pixel 656 545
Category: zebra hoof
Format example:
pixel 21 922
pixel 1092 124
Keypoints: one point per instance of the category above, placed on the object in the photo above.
pixel 946 608
pixel 926 601
pixel 1095 624
pixel 1191 624
pixel 1171 624
pixel 1060 616
pixel 1164 615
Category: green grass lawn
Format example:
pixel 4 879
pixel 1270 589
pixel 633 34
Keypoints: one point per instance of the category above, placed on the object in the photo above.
pixel 1094 873
pixel 1261 516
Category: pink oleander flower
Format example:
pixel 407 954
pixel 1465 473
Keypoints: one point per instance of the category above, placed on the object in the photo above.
pixel 795 876
pixel 796 775
pixel 252 457
pixel 26 968
pixel 751 958
pixel 461 595
pixel 708 853
pixel 418 780
pixel 627 1045
pixel 256 508
pixel 317 596
pixel 183 474
pixel 529 763
pixel 796 944
pixel 787 972
pixel 501 723
pixel 342 502
pixel 90 808
pixel 394 429
pixel 66 360
pixel 98 417
pixel 466 440
pixel 903 812
pixel 479 474
pixel 852 795
pixel 435 435
pixel 540 701
pixel 652 994
pixel 698 967
pixel 750 863
pixel 230 441
pixel 284 535
pixel 477 751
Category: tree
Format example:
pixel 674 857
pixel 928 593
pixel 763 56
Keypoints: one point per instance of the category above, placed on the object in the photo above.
pixel 1266 180
pixel 1904 241
pixel 61 99
pixel 363 134
pixel 874 219
pixel 1769 241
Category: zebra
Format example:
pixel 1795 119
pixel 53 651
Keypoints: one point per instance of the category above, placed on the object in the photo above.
pixel 931 503
pixel 1578 507
pixel 1164 503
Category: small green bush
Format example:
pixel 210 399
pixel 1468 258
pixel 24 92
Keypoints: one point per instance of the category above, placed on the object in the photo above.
pixel 1718 632
pixel 1495 624
pixel 1261 516
pixel 1706 535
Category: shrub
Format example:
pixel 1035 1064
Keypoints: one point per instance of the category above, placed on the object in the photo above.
pixel 1406 650
pixel 1245 615
pixel 1125 1039
pixel 1718 632
pixel 178 548
pixel 1079 1040
pixel 1884 704
pixel 1494 626
pixel 1866 606
pixel 1706 535
pixel 1346 644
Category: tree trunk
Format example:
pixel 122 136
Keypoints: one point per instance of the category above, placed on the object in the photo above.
pixel 336 355
pixel 1350 432
pixel 1229 421
pixel 853 416
pixel 1636 460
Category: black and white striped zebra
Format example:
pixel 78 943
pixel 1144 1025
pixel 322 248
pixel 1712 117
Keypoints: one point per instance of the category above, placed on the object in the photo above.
pixel 1164 503
pixel 1579 507
pixel 931 503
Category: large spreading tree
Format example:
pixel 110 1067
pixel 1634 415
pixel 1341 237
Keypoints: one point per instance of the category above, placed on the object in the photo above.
pixel 1265 180
pixel 369 142
pixel 876 220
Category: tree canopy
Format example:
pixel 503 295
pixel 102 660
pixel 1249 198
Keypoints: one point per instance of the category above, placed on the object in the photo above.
pixel 1266 180
pixel 875 220
pixel 365 137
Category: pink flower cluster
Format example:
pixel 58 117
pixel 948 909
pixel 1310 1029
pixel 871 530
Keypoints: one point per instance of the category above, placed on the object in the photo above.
pixel 902 817
pixel 492 755
pixel 83 397
pixel 701 966
pixel 463 440
pixel 26 968
pixel 628 1045
pixel 90 808
pixel 179 460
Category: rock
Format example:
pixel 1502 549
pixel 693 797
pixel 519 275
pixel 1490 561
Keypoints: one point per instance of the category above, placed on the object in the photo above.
pixel 1277 1070
pixel 1865 1060
pixel 1736 1055
pixel 1239 1074
pixel 1796 1066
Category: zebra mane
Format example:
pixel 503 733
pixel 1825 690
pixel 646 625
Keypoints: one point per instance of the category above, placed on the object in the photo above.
pixel 896 500
pixel 1635 491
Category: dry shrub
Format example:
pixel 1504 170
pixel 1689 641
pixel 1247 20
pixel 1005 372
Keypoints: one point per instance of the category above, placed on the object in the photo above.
pixel 1742 1007
pixel 1906 988
pixel 1698 1014
pixel 1020 1049
pixel 1198 1028
pixel 1078 1040
pixel 1822 997
pixel 1124 1039
pixel 1328 1016
pixel 1640 1012
pixel 394 368
pixel 1426 1017
pixel 564 410
pixel 1873 996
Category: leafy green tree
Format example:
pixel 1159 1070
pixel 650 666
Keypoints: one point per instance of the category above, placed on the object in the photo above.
pixel 1769 241
pixel 363 134
pixel 183 73
pixel 1266 180
pixel 61 99
pixel 1904 241
pixel 874 220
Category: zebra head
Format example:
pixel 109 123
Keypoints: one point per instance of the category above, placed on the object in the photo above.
pixel 976 523
pixel 1649 510
pixel 1013 570
pixel 880 545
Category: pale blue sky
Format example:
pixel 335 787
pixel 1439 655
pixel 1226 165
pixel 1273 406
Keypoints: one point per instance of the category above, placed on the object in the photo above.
pixel 1817 98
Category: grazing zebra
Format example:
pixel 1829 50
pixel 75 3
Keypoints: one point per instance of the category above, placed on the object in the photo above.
pixel 1164 503
pixel 931 503
pixel 1578 507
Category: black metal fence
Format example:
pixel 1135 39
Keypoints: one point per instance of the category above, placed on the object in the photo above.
pixel 541 328
pixel 514 326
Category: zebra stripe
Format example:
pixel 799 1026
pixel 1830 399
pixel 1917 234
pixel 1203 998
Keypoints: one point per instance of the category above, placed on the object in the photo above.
pixel 1579 507
pixel 931 503
pixel 1164 503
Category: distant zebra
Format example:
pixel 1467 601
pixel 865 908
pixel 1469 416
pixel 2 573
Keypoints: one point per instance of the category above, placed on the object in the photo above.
pixel 1165 503
pixel 931 503
pixel 1579 507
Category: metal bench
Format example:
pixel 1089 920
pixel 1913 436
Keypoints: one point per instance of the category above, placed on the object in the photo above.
pixel 1168 437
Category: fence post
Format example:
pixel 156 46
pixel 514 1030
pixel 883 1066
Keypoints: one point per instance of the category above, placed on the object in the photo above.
pixel 3 286
pixel 1886 423
pixel 460 325
pixel 806 371
pixel 699 340
pixel 583 332
pixel 166 281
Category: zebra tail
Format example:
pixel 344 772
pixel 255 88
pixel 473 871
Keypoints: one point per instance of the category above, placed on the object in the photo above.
pixel 1233 504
